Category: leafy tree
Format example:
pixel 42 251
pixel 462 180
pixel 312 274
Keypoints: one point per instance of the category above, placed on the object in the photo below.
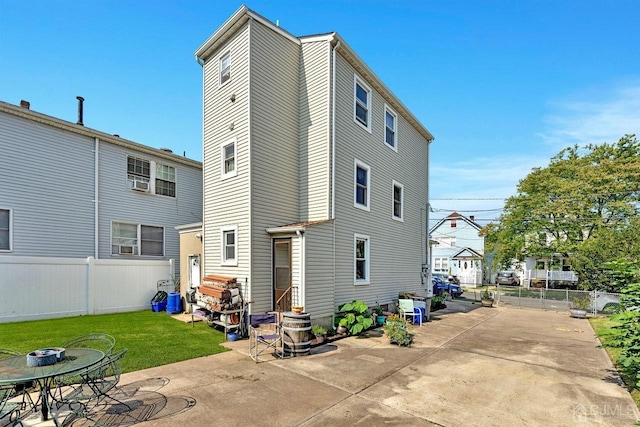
pixel 586 198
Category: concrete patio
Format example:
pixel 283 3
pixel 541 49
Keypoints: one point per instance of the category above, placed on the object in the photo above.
pixel 468 366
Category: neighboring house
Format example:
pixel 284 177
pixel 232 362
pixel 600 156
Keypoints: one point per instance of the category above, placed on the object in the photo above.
pixel 315 174
pixel 69 191
pixel 459 248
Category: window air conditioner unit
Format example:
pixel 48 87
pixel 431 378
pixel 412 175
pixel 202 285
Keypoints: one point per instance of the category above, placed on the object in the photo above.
pixel 126 250
pixel 140 185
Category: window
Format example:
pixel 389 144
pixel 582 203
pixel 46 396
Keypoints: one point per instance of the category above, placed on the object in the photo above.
pixel 362 104
pixel 398 196
pixel 390 125
pixel 165 180
pixel 5 230
pixel 441 264
pixel 225 68
pixel 362 178
pixel 229 159
pixel 136 239
pixel 453 223
pixel 361 259
pixel 446 241
pixel 138 170
pixel 229 246
pixel 148 176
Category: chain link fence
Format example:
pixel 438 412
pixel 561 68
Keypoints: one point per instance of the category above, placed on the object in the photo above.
pixel 556 299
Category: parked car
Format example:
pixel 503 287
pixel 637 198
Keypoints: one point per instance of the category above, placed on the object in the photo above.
pixel 509 278
pixel 606 303
pixel 440 286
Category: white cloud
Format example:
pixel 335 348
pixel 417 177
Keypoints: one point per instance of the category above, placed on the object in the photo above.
pixel 594 117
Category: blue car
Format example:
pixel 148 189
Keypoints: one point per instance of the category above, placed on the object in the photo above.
pixel 440 287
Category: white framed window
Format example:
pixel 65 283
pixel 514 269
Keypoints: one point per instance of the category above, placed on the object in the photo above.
pixel 361 103
pixel 362 185
pixel 165 180
pixel 149 176
pixel 398 201
pixel 6 230
pixel 229 167
pixel 361 259
pixel 229 245
pixel 390 128
pixel 446 241
pixel 225 68
pixel 136 239
pixel 138 170
pixel 441 264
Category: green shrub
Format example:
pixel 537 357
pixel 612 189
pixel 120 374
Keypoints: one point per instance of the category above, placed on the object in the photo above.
pixel 355 317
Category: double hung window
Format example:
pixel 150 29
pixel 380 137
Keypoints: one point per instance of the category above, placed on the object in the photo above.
pixel 398 199
pixel 362 179
pixel 229 249
pixel 225 68
pixel 136 239
pixel 5 230
pixel 361 259
pixel 362 104
pixel 229 159
pixel 390 126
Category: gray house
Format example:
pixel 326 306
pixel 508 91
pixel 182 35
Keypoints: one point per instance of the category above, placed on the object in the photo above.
pixel 73 192
pixel 315 174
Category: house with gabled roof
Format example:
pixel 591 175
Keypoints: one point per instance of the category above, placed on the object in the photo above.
pixel 315 173
pixel 458 248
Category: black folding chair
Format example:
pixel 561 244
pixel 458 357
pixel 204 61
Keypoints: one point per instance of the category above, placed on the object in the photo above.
pixel 265 334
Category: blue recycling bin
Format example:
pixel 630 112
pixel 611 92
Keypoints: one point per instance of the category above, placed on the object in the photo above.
pixel 174 303
pixel 422 312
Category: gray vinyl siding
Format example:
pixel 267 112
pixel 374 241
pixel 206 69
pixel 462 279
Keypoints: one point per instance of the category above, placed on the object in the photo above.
pixel 396 248
pixel 120 204
pixel 227 201
pixel 274 149
pixel 49 190
pixel 319 296
pixel 53 200
pixel 314 118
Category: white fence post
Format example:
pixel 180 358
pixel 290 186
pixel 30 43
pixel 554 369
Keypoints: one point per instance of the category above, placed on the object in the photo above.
pixel 91 285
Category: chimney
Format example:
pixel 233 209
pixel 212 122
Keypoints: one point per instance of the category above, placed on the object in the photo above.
pixel 25 104
pixel 80 101
pixel 472 218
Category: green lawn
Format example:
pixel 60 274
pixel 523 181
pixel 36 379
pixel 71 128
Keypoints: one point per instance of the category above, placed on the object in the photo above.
pixel 602 326
pixel 153 339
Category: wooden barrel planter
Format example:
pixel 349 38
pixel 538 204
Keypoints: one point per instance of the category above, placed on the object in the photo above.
pixel 296 333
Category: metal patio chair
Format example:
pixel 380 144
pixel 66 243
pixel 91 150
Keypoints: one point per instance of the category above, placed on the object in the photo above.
pixel 22 389
pixel 265 334
pixel 98 385
pixel 406 309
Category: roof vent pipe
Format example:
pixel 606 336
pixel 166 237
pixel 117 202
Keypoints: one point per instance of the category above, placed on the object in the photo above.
pixel 80 101
pixel 25 104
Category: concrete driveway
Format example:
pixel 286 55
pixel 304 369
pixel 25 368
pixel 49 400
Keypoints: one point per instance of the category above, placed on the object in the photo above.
pixel 470 366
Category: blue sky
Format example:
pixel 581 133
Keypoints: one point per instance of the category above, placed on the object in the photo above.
pixel 503 85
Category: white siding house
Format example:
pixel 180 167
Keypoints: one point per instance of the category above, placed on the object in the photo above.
pixel 315 174
pixel 69 191
pixel 458 249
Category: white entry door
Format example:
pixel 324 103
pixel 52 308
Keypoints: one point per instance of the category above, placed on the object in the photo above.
pixel 194 271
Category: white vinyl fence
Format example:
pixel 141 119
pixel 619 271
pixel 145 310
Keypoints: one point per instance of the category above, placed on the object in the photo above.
pixel 44 288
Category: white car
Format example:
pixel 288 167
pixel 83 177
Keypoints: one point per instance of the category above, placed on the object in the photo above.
pixel 605 303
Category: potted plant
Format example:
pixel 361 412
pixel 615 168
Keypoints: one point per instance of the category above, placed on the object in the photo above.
pixel 320 332
pixel 378 313
pixel 396 329
pixel 579 305
pixel 487 298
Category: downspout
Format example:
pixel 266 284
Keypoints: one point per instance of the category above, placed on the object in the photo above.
pixel 333 162
pixel 96 210
pixel 333 133
pixel 303 280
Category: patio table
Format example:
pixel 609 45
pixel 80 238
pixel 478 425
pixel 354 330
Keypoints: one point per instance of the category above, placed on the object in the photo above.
pixel 14 370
